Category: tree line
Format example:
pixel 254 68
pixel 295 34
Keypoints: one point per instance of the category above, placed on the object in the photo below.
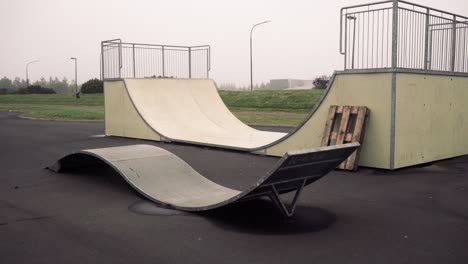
pixel 59 86
pixel 320 82
pixel 234 87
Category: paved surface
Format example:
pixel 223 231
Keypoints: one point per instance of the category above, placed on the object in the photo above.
pixel 416 215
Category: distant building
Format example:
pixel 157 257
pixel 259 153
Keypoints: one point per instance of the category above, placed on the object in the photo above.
pixel 292 84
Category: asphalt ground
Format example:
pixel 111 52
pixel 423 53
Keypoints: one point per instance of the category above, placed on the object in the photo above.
pixel 413 215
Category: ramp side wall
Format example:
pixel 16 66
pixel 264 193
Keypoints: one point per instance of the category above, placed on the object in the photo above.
pixel 431 118
pixel 121 117
pixel 367 89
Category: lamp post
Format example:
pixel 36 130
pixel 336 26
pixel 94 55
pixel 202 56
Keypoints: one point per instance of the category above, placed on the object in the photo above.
pixel 76 77
pixel 27 73
pixel 251 61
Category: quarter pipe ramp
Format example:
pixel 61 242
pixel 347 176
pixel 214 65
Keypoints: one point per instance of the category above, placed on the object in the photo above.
pixel 184 110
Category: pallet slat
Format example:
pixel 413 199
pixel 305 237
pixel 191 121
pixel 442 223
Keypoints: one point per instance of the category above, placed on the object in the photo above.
pixel 342 130
pixel 329 125
pixel 343 125
pixel 352 122
pixel 351 163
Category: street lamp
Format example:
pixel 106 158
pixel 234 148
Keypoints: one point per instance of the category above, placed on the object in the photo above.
pixel 27 66
pixel 76 77
pixel 251 63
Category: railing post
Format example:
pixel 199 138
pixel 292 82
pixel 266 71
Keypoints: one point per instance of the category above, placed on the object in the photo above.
pixel 120 59
pixel 354 42
pixel 426 41
pixel 454 43
pixel 102 62
pixel 133 56
pixel 342 52
pixel 429 55
pixel 395 35
pixel 100 66
pixel 163 63
pixel 190 62
pixel 346 43
pixel 208 62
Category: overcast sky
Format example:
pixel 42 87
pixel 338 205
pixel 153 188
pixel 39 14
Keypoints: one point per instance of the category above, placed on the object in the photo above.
pixel 300 42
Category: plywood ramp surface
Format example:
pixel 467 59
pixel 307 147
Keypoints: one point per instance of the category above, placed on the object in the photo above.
pixel 192 111
pixel 168 180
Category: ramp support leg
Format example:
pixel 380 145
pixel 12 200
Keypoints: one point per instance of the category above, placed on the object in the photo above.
pixel 287 211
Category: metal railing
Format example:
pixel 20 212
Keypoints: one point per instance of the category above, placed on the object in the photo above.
pixel 133 60
pixel 400 34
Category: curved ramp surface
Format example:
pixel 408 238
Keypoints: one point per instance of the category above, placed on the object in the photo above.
pixel 192 111
pixel 168 180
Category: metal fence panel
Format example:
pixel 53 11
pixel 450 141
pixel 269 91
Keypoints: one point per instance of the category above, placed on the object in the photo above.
pixel 400 34
pixel 133 60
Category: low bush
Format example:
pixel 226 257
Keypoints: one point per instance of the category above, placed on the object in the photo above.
pixel 321 82
pixel 92 86
pixel 35 89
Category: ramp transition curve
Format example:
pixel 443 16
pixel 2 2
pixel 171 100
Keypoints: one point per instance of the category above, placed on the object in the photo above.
pixel 166 179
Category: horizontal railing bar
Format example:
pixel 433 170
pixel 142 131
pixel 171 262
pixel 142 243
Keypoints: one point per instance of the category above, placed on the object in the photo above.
pixel 448 23
pixel 366 5
pixel 111 40
pixel 369 11
pixel 418 12
pixel 156 45
pixel 404 2
pixel 161 49
pixel 431 15
pixel 440 29
pixel 433 9
pixel 201 46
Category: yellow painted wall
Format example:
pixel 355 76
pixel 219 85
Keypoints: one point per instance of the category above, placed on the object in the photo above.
pixel 121 117
pixel 113 109
pixel 372 90
pixel 431 118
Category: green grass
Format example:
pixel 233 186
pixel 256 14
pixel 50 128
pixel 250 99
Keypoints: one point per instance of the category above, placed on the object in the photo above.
pixel 280 100
pixel 52 99
pixel 56 112
pixel 271 118
pixel 259 107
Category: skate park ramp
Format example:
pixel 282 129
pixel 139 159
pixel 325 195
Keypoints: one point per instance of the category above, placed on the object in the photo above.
pixel 168 180
pixel 192 111
pixel 394 136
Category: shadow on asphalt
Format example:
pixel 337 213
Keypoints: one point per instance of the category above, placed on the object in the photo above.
pixel 259 216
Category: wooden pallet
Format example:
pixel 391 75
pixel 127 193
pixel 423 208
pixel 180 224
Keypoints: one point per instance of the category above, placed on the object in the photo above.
pixel 346 124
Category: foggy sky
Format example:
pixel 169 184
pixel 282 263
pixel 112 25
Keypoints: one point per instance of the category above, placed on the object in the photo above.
pixel 300 42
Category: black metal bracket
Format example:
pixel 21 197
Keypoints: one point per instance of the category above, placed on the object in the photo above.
pixel 287 211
